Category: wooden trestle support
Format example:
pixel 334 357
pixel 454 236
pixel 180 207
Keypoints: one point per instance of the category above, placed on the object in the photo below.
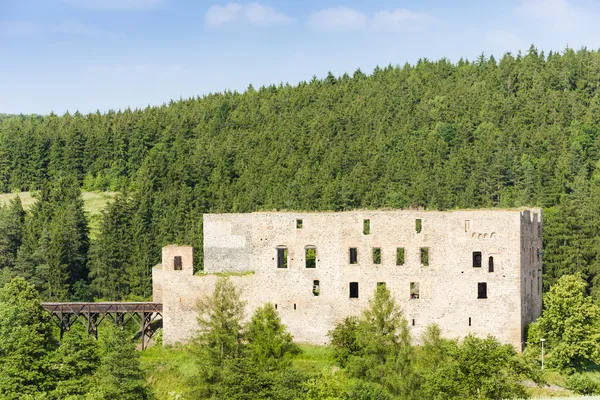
pixel 92 314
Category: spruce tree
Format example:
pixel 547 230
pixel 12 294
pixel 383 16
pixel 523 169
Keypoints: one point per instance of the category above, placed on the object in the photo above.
pixel 119 375
pixel 26 342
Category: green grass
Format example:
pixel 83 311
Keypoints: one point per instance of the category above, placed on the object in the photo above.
pixel 314 358
pixel 243 273
pixel 168 369
pixel 93 204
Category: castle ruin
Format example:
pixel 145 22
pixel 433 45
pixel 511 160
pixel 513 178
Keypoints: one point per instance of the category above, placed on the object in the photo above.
pixel 469 271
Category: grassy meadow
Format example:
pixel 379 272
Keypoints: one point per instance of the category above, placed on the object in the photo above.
pixel 169 369
pixel 94 203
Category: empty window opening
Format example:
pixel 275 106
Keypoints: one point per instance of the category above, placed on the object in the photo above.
pixel 177 264
pixel 298 224
pixel 531 287
pixel 310 257
pixel 414 290
pixel 418 225
pixel 316 288
pixel 425 256
pixel 377 255
pixel 354 290
pixel 482 290
pixel 413 322
pixel 366 226
pixel 353 255
pixel 538 253
pixel 491 264
pixel 282 257
pixel 467 225
pixel 469 321
pixel 476 259
pixel 400 256
pixel 294 306
pixel 276 306
pixel 381 285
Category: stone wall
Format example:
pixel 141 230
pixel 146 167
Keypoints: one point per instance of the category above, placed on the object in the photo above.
pixel 448 285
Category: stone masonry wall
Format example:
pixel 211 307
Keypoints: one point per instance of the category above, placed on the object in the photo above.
pixel 448 286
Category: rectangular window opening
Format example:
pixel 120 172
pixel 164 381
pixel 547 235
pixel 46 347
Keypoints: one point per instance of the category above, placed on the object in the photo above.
pixel 476 259
pixel 276 306
pixel 418 225
pixel 538 253
pixel 177 263
pixel 282 257
pixel 414 290
pixel 366 226
pixel 316 288
pixel 298 224
pixel 482 290
pixel 413 322
pixel 491 264
pixel 400 256
pixel 376 255
pixel 425 256
pixel 310 257
pixel 294 306
pixel 469 321
pixel 354 290
pixel 353 255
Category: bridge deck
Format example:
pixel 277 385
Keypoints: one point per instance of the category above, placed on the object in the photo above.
pixel 93 313
pixel 103 307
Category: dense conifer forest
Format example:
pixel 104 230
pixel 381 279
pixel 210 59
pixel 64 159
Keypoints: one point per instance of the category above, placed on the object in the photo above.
pixel 519 131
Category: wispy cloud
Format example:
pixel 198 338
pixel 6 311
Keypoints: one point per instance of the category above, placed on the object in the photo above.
pixel 347 19
pixel 251 13
pixel 560 15
pixel 402 20
pixel 338 19
pixel 116 4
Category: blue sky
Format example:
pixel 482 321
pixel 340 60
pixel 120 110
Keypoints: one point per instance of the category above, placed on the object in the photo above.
pixel 88 55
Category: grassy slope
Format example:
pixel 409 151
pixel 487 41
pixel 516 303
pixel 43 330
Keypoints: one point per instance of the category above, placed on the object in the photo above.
pixel 94 203
pixel 169 369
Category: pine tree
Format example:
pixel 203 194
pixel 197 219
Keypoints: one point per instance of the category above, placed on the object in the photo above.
pixel 26 342
pixel 119 375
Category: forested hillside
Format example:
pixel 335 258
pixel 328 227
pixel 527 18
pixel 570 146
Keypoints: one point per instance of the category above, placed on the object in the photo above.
pixel 520 131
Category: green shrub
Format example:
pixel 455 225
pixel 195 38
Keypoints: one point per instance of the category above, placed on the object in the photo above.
pixel 584 383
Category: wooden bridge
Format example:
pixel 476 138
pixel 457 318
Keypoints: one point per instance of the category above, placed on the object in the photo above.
pixel 92 314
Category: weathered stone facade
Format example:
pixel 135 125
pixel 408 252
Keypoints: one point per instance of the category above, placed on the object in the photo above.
pixel 482 271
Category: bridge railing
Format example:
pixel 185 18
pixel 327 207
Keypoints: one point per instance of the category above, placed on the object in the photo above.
pixel 91 314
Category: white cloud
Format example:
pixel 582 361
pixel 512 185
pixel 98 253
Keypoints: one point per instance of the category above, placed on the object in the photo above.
pixel 347 19
pixel 401 19
pixel 338 19
pixel 500 41
pixel 251 13
pixel 556 14
pixel 115 4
